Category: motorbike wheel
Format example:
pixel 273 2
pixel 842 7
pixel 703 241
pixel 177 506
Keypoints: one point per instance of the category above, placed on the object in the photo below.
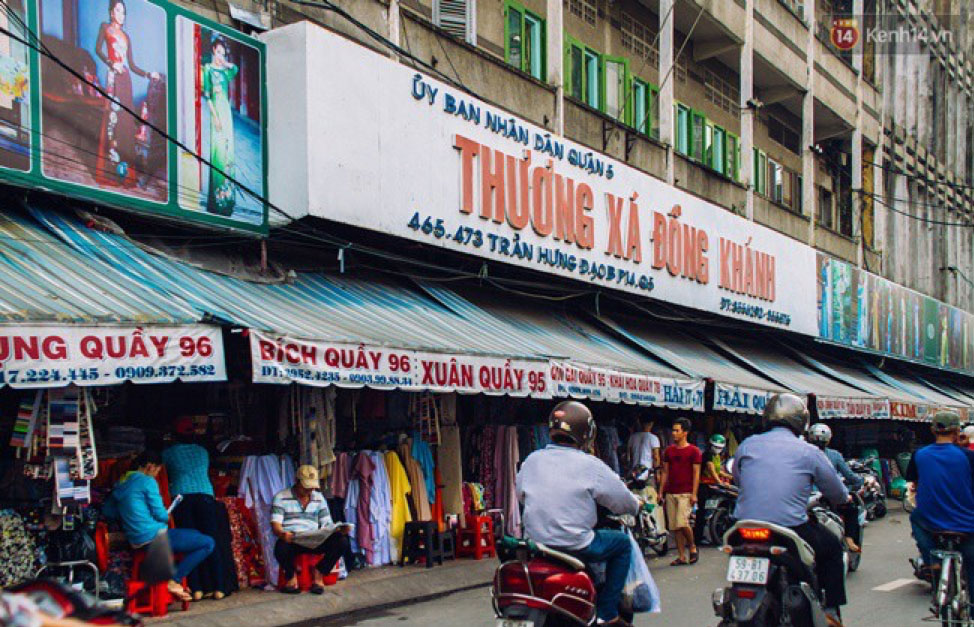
pixel 880 508
pixel 661 547
pixel 719 523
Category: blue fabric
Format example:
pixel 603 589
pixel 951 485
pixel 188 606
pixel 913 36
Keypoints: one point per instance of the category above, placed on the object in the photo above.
pixel 424 457
pixel 775 471
pixel 193 546
pixel 838 461
pixel 187 466
pixel 613 548
pixel 923 534
pixel 137 503
pixel 945 487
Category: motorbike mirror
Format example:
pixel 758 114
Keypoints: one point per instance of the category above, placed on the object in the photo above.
pixel 729 466
pixel 158 565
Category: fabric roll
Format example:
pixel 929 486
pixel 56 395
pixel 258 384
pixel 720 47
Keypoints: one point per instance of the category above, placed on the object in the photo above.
pixel 399 489
pixel 363 470
pixel 418 496
pixel 421 452
pixel 449 462
pixel 487 467
pixel 381 511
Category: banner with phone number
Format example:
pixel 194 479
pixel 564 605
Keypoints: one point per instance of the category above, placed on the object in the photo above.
pixel 601 384
pixel 57 356
pixel 286 360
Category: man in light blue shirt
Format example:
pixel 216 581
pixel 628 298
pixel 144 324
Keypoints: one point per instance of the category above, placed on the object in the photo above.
pixel 775 471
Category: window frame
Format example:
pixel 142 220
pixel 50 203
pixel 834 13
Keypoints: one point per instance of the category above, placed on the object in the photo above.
pixel 721 153
pixel 525 15
pixel 625 113
pixel 695 115
pixel 682 130
pixel 732 156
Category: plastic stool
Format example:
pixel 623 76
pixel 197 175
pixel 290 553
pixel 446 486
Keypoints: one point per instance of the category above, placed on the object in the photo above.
pixel 476 540
pixel 145 598
pixel 304 564
pixel 422 541
pixel 448 540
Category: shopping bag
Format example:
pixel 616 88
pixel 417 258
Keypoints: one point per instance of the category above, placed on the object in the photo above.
pixel 640 593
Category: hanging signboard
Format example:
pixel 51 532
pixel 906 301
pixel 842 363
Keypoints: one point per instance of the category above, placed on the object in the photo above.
pixel 599 384
pixel 48 357
pixel 737 399
pixel 835 407
pixel 454 172
pixel 318 363
pixel 77 113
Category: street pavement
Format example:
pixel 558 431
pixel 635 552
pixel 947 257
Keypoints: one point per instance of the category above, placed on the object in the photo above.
pixel 883 591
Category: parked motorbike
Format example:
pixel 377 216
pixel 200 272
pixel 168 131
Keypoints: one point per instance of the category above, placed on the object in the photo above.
pixel 644 527
pixel 873 494
pixel 718 511
pixel 61 601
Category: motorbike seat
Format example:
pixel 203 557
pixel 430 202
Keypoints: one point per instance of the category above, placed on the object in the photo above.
pixel 804 550
pixel 957 536
pixel 564 558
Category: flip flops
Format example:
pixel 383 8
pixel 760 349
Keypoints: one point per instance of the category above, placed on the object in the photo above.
pixel 679 562
pixel 694 557
pixel 317 589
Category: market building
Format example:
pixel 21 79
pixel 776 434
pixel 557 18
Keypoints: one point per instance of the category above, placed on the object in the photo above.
pixel 387 236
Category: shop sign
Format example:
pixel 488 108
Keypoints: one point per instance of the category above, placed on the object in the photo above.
pixel 163 67
pixel 318 363
pixel 865 311
pixel 836 407
pixel 908 411
pixel 600 384
pixel 382 147
pixel 735 398
pixel 51 357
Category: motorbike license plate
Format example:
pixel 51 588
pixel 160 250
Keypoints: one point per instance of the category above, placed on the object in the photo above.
pixel 748 570
pixel 510 622
pixel 711 503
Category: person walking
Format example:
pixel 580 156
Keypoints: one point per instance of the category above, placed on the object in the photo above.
pixel 679 485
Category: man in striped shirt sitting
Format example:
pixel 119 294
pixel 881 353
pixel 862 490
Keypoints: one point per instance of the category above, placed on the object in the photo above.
pixel 302 523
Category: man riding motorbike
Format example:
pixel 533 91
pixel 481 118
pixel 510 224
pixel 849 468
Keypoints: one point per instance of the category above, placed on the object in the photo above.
pixel 561 486
pixel 820 435
pixel 711 474
pixel 944 477
pixel 775 471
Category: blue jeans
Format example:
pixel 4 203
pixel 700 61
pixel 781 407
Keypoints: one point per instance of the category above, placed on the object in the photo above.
pixel 194 547
pixel 923 534
pixel 613 548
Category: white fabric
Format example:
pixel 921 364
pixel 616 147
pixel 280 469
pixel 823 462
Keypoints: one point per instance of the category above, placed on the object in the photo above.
pixel 560 487
pixel 641 445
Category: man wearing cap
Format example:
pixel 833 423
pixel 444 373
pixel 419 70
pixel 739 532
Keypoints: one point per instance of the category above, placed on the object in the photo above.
pixel 300 511
pixel 944 477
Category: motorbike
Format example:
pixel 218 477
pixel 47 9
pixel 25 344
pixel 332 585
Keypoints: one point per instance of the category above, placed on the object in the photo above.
pixel 648 533
pixel 62 601
pixel 873 494
pixel 772 574
pixel 718 511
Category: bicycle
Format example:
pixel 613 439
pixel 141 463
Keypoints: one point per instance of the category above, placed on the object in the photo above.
pixel 951 605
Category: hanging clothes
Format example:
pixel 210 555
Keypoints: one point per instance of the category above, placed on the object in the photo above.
pixel 380 507
pixel 244 544
pixel 363 470
pixel 421 452
pixel 448 457
pixel 418 495
pixel 399 490
pixel 507 470
pixel 260 479
pixel 340 473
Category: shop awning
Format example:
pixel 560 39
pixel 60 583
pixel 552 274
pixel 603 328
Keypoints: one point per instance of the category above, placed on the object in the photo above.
pixel 914 388
pixel 66 318
pixel 736 389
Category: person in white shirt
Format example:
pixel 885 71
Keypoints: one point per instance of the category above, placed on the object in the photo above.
pixel 644 447
pixel 561 486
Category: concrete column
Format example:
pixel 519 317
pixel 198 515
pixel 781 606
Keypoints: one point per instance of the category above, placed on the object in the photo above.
pixel 667 132
pixel 809 192
pixel 556 60
pixel 747 113
pixel 857 148
pixel 394 23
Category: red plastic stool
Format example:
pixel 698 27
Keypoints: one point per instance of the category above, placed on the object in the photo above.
pixel 476 540
pixel 304 564
pixel 148 599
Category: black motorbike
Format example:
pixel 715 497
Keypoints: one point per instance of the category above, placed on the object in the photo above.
pixel 648 534
pixel 873 494
pixel 718 511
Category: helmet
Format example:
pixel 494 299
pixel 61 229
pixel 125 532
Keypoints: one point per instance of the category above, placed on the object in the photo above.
pixel 969 432
pixel 786 410
pixel 820 435
pixel 718 442
pixel 574 420
pixel 945 420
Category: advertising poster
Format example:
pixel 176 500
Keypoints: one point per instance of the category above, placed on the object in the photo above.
pixel 91 140
pixel 219 108
pixel 15 118
pixel 860 309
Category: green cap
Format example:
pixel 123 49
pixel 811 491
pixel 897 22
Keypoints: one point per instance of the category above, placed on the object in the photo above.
pixel 945 420
pixel 718 440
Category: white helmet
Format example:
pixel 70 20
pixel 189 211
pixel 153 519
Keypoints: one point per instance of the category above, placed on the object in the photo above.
pixel 820 435
pixel 969 432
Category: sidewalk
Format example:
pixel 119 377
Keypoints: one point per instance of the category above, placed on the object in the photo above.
pixel 370 588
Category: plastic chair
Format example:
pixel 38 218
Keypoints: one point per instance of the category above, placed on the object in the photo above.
pixel 422 541
pixel 476 539
pixel 145 598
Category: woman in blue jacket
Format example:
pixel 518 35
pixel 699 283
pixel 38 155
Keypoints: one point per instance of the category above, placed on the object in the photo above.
pixel 137 503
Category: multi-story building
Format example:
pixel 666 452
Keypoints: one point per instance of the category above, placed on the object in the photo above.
pixel 865 154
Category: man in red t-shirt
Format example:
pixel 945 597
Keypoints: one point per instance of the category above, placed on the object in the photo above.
pixel 681 479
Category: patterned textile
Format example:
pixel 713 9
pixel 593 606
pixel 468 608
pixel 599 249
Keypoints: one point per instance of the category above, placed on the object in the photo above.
pixel 247 555
pixel 17 550
pixel 487 468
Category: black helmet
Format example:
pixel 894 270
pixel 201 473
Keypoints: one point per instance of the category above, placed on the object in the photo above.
pixel 573 419
pixel 786 410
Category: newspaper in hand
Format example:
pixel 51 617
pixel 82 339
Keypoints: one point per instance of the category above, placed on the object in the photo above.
pixel 313 539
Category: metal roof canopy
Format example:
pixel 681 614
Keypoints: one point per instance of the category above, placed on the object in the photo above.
pixel 915 388
pixel 688 354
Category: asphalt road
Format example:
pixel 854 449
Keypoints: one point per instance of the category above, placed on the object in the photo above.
pixel 882 593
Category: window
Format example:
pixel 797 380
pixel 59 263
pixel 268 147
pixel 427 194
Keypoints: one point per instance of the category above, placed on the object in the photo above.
pixel 784 135
pixel 698 121
pixel 682 119
pixel 524 46
pixel 825 207
pixel 584 9
pixel 733 157
pixel 722 92
pixel 457 17
pixel 708 144
pixel 775 181
pixel 574 76
pixel 616 79
pixel 654 113
pixel 584 73
pixel 760 181
pixel 638 38
pixel 718 160
pixel 640 105
pixel 798 201
pixel 592 65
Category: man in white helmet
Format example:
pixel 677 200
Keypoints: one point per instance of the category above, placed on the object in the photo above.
pixel 561 487
pixel 821 435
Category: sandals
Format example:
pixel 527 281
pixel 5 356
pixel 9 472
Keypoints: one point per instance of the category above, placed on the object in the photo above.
pixel 291 590
pixel 679 562
pixel 317 589
pixel 694 557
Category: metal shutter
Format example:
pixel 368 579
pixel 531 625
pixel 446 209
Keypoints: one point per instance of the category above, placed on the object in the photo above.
pixel 457 17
